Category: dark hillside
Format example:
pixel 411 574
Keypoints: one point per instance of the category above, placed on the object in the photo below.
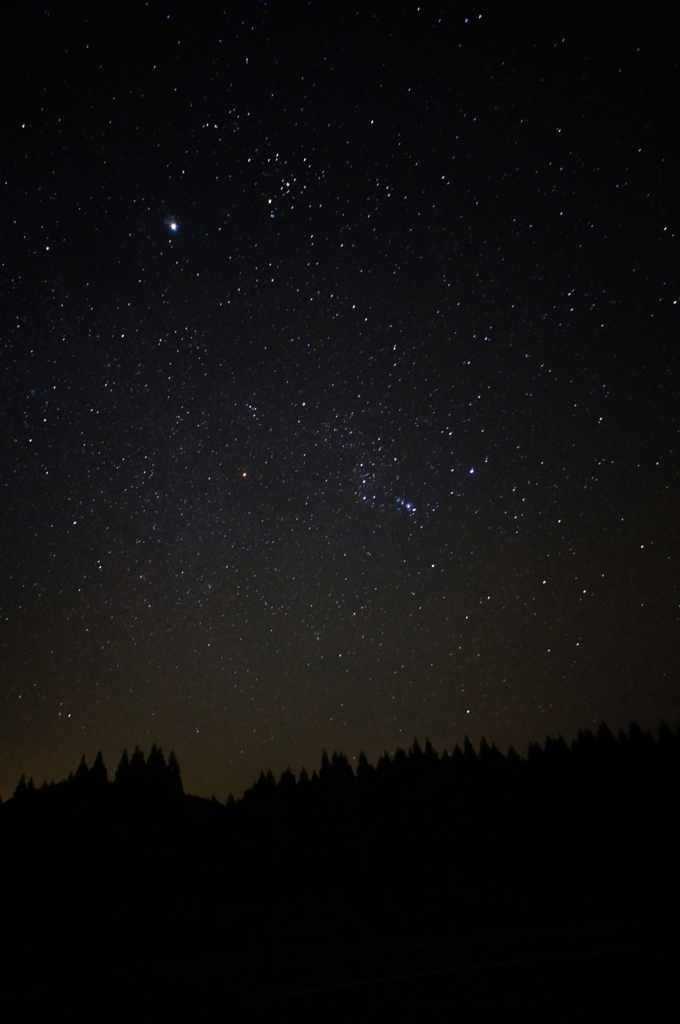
pixel 446 849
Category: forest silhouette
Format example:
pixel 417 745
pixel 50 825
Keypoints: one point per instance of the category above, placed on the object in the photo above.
pixel 132 869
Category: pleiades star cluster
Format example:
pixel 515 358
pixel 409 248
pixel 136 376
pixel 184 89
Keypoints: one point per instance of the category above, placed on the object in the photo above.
pixel 339 381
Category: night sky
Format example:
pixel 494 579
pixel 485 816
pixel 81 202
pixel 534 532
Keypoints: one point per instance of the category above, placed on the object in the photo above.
pixel 338 380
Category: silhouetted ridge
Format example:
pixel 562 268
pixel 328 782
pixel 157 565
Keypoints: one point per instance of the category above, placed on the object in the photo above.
pixel 418 841
pixel 135 778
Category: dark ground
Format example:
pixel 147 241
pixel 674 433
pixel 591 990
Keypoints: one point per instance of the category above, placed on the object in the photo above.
pixel 594 972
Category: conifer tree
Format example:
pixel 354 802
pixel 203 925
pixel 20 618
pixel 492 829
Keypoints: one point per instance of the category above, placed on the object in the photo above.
pixel 340 769
pixel 513 757
pixel 399 763
pixel 123 770
pixel 535 755
pixel 384 763
pixel 174 776
pixel 157 780
pixel 287 781
pixel 263 788
pixel 98 773
pixel 137 769
pixel 156 760
pixel 469 754
pixel 365 771
pixel 415 752
pixel 430 753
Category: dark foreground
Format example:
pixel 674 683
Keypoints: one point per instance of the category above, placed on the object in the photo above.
pixel 604 973
pixel 466 885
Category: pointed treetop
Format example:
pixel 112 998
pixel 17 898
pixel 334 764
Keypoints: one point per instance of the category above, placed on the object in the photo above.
pixel 535 753
pixel 123 769
pixel 137 761
pixel 98 772
pixel 155 765
pixel 469 751
pixel 174 775
pixel 156 757
pixel 339 772
pixel 605 737
pixel 364 769
pixel 513 756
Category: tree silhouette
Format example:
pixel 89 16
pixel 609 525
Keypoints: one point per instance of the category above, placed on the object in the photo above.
pixel 99 776
pixel 365 771
pixel 82 771
pixel 174 776
pixel 156 771
pixel 418 842
pixel 137 769
pixel 287 782
pixel 22 790
pixel 123 770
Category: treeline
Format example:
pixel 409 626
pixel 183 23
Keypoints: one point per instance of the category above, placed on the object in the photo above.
pixel 136 777
pixel 420 841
